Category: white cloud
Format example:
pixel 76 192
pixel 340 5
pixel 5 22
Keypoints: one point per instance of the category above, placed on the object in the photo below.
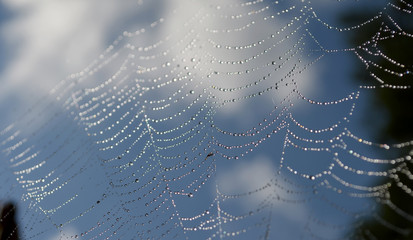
pixel 66 233
pixel 51 39
pixel 210 31
pixel 254 174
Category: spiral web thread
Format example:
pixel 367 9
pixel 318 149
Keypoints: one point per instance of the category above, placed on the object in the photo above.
pixel 134 145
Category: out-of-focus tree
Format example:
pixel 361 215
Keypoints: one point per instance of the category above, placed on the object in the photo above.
pixel 392 53
pixel 8 225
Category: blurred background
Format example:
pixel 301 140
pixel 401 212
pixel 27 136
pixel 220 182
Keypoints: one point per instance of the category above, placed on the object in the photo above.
pixel 192 120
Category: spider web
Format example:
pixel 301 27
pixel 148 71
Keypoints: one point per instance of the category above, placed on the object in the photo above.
pixel 217 120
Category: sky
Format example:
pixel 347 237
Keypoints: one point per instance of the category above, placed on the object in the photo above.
pixel 46 43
